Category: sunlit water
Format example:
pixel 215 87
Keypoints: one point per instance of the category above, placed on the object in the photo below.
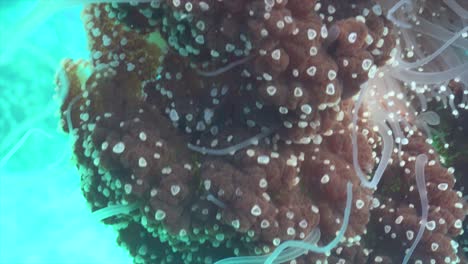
pixel 44 218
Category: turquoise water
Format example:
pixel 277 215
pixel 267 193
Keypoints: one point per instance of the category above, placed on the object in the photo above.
pixel 44 217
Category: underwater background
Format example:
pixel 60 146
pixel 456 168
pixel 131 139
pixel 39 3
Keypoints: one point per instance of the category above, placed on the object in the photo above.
pixel 44 217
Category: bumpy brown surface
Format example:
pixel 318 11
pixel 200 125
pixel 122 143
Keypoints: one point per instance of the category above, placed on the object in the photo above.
pixel 398 214
pixel 235 70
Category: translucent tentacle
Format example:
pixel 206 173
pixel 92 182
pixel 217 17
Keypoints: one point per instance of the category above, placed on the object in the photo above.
pixel 421 161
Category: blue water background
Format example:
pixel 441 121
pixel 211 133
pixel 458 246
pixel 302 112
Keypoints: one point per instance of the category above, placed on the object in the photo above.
pixel 43 215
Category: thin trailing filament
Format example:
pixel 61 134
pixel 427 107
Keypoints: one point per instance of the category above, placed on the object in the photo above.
pixel 223 69
pixel 291 249
pixel 457 8
pixel 314 248
pixel 421 161
pixel 288 254
pixel 232 149
pixel 394 9
pixel 438 32
pixel 20 143
pixel 113 210
pixel 439 51
pixel 69 119
pixel 386 150
pixel 210 197
pixel 429 77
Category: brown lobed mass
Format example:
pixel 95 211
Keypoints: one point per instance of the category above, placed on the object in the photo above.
pixel 275 74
